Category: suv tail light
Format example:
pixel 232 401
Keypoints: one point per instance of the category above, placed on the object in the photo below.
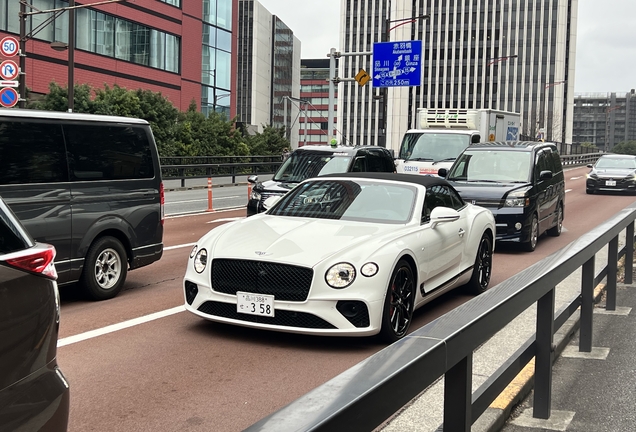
pixel 36 260
pixel 162 198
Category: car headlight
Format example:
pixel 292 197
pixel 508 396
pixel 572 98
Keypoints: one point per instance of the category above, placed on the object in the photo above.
pixel 340 275
pixel 592 176
pixel 193 251
pixel 201 260
pixel 255 195
pixel 369 269
pixel 517 199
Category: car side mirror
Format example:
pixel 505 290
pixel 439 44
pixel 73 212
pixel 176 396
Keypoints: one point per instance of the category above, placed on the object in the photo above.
pixel 475 139
pixel 252 179
pixel 270 202
pixel 442 172
pixel 590 166
pixel 545 175
pixel 441 215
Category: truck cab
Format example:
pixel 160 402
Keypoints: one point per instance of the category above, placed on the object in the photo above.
pixel 444 133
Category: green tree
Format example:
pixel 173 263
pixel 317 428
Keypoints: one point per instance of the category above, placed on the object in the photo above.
pixel 57 99
pixel 628 147
pixel 270 142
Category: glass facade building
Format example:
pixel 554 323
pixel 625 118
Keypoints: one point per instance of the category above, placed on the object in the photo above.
pixel 314 91
pixel 511 55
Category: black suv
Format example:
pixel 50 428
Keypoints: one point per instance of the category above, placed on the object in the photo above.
pixel 34 395
pixel 522 184
pixel 313 161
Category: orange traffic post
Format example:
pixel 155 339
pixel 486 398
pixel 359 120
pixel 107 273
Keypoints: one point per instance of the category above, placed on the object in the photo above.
pixel 249 191
pixel 210 209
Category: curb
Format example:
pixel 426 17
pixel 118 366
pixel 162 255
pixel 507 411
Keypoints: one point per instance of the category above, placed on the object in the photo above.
pixel 496 415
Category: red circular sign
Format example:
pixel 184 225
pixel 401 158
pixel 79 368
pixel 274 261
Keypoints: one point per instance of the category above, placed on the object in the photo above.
pixel 8 97
pixel 9 70
pixel 9 46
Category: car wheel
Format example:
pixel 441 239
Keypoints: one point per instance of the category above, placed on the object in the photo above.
pixel 483 267
pixel 398 305
pixel 531 244
pixel 105 269
pixel 555 231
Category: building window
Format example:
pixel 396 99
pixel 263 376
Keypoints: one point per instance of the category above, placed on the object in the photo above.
pixel 176 3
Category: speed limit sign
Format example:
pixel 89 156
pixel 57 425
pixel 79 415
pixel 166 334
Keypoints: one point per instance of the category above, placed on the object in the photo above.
pixel 9 46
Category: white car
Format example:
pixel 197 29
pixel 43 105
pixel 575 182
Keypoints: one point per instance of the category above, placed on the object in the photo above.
pixel 345 254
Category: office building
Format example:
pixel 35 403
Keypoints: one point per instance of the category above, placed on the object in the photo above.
pixel 314 102
pixel 512 55
pixel 604 119
pixel 180 48
pixel 268 71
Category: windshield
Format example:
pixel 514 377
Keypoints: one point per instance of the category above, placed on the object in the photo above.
pixel 492 166
pixel 622 163
pixel 357 200
pixel 306 164
pixel 433 147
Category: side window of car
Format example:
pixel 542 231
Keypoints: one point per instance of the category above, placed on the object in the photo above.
pixel 541 164
pixel 429 204
pixel 359 165
pixel 457 201
pixel 32 152
pixel 556 162
pixel 108 152
pixel 436 196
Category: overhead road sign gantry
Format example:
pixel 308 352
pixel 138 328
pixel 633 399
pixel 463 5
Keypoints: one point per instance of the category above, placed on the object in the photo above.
pixel 397 63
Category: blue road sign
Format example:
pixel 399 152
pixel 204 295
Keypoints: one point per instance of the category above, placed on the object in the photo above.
pixel 512 134
pixel 397 64
pixel 8 97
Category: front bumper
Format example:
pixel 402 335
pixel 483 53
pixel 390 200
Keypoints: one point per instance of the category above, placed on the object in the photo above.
pixel 610 185
pixel 513 224
pixel 318 316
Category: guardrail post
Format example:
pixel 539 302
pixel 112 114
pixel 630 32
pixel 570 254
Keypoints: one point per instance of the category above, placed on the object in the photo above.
pixel 233 174
pixel 544 356
pixel 612 269
pixel 458 395
pixel 182 175
pixel 587 306
pixel 210 209
pixel 629 254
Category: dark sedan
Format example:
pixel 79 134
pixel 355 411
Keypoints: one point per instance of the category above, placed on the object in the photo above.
pixel 612 173
pixel 34 395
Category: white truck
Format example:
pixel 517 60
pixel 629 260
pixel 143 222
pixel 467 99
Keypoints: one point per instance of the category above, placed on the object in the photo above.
pixel 444 133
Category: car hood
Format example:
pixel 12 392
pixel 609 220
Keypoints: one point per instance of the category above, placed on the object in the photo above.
pixel 485 192
pixel 297 241
pixel 277 186
pixel 612 172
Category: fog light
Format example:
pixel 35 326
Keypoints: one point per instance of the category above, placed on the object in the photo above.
pixel 518 226
pixel 191 291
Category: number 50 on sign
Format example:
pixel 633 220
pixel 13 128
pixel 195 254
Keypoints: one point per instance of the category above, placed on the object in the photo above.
pixel 9 46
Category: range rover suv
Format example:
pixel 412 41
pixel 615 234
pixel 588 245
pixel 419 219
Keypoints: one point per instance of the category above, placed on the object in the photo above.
pixel 313 161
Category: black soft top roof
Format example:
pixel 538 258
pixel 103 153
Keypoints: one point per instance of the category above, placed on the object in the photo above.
pixel 424 180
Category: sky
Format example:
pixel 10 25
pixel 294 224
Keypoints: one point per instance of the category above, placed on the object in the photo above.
pixel 605 49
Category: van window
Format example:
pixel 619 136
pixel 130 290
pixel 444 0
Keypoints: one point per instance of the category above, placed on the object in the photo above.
pixel 31 152
pixel 108 152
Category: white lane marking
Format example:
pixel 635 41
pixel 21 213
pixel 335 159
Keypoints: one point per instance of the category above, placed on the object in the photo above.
pixel 178 246
pixel 227 219
pixel 576 178
pixel 119 326
pixel 568 190
pixel 204 199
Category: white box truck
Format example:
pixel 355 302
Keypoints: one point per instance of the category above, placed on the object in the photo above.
pixel 444 133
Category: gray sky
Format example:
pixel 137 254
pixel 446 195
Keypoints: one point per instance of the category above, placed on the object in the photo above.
pixel 606 42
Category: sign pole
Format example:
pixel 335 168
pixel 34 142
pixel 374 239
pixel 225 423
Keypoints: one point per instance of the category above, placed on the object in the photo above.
pixel 22 88
pixel 332 91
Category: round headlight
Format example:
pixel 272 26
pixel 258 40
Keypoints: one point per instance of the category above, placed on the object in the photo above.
pixel 340 275
pixel 201 260
pixel 193 251
pixel 369 269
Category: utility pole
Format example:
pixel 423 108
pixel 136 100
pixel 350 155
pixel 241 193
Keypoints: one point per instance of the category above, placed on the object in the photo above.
pixel 22 86
pixel 71 55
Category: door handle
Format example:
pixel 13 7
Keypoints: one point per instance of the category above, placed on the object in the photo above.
pixel 461 232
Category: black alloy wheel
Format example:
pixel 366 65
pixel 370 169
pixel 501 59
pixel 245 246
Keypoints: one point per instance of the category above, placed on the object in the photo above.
pixel 555 231
pixel 531 244
pixel 483 267
pixel 399 302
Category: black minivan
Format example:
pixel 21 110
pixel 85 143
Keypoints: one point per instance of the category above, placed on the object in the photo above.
pixel 522 183
pixel 316 160
pixel 88 184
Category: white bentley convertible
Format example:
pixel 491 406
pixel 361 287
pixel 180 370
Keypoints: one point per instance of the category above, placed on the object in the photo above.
pixel 345 254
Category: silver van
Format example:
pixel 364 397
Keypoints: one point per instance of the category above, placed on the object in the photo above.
pixel 91 186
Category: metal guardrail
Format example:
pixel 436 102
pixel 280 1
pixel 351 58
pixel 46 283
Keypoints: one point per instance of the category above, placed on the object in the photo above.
pixel 366 395
pixel 184 168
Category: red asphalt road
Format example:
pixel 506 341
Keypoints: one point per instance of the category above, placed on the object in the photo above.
pixel 183 373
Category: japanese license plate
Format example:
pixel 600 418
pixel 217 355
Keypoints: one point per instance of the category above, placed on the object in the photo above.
pixel 610 182
pixel 255 304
